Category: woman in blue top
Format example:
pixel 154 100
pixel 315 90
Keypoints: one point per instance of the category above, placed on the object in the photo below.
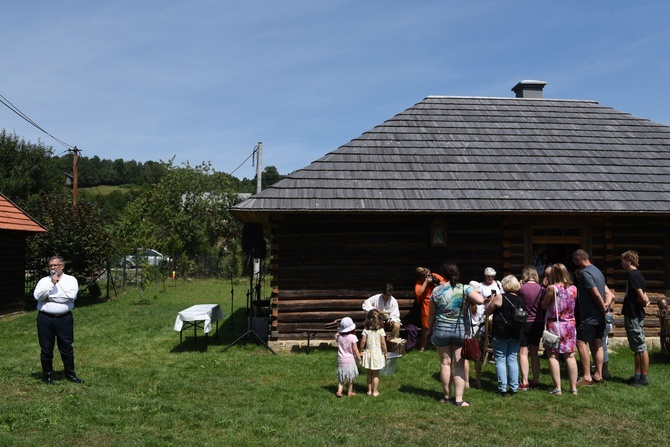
pixel 447 328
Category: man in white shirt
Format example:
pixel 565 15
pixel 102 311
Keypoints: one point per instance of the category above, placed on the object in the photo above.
pixel 388 306
pixel 55 295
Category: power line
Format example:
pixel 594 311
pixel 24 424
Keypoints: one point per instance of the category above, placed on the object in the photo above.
pixel 16 110
pixel 247 159
pixel 7 103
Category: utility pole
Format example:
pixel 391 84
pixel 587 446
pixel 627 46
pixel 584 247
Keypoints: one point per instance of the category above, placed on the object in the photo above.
pixel 259 188
pixel 75 175
pixel 259 168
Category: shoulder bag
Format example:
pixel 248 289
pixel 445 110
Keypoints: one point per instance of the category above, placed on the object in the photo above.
pixel 549 338
pixel 470 349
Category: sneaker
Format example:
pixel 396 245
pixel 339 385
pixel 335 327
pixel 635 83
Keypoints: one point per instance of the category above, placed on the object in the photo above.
pixel 584 382
pixel 524 387
pixel 533 385
pixel 639 382
pixel 632 380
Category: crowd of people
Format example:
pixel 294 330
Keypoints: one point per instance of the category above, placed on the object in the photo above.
pixel 550 310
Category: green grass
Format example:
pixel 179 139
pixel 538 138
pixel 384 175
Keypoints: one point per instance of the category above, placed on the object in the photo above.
pixel 141 390
pixel 106 189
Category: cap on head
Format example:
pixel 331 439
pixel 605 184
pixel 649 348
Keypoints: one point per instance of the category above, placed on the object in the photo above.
pixel 488 271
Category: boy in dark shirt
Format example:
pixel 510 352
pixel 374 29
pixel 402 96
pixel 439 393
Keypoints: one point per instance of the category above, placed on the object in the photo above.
pixel 634 303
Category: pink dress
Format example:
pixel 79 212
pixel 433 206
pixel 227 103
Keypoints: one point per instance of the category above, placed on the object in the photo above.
pixel 346 361
pixel 565 299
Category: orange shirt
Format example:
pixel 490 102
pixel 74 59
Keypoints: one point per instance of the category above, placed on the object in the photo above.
pixel 424 298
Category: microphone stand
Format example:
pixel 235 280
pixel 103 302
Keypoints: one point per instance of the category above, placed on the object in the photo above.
pixel 232 300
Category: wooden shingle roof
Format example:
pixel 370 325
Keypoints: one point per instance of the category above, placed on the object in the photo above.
pixel 12 218
pixel 471 154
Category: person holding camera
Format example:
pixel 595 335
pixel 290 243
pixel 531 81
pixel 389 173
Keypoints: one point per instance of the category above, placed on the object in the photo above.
pixel 488 289
pixel 426 282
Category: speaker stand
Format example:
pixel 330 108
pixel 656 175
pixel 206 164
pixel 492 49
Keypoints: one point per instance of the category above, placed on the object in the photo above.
pixel 245 335
pixel 250 294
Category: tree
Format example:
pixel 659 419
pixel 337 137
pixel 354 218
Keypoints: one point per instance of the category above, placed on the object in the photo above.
pixel 27 169
pixel 186 212
pixel 80 234
pixel 270 176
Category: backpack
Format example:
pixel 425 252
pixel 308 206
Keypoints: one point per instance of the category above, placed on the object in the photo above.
pixel 520 315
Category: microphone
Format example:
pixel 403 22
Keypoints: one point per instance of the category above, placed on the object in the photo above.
pixel 53 272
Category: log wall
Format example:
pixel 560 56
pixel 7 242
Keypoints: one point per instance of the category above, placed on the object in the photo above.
pixel 325 266
pixel 12 271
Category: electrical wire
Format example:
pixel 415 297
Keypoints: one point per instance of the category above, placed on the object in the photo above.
pixel 154 362
pixel 245 160
pixel 128 350
pixel 7 103
pixel 16 110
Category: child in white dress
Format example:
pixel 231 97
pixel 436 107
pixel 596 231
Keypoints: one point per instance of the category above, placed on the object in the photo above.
pixel 373 344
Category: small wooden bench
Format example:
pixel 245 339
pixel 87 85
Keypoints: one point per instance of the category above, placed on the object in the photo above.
pixel 312 333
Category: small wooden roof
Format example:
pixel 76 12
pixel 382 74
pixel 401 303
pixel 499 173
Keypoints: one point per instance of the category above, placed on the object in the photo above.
pixel 13 218
pixel 486 155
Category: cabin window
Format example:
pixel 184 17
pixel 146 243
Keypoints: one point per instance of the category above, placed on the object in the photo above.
pixel 438 233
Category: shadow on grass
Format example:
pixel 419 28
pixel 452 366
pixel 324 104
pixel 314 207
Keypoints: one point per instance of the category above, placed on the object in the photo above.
pixel 421 392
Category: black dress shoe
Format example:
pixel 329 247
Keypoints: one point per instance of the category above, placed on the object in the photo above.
pixel 72 377
pixel 47 379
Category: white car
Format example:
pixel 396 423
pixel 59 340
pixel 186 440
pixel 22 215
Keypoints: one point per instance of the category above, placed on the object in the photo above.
pixel 150 256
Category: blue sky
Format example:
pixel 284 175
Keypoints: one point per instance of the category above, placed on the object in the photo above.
pixel 206 80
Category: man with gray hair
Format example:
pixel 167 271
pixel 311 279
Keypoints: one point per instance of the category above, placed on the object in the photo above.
pixel 55 295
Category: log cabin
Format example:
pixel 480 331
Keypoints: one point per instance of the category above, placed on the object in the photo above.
pixel 479 181
pixel 15 227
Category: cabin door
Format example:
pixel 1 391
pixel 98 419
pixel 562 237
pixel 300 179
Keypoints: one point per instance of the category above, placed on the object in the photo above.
pixel 554 245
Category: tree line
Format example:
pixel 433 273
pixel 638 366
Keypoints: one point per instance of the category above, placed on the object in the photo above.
pixel 182 211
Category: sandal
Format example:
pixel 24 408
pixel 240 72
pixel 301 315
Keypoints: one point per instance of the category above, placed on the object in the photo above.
pixel 351 394
pixel 462 404
pixel 445 400
pixel 556 391
pixel 574 392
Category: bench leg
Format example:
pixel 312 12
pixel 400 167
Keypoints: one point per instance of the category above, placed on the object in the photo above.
pixel 310 335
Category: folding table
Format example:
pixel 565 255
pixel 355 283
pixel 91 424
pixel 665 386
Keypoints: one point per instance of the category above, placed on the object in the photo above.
pixel 198 316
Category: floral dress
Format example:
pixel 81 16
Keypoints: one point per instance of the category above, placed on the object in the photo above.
pixel 565 300
pixel 373 357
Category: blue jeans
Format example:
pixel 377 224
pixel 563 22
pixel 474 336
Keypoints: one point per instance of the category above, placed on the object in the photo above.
pixel 505 353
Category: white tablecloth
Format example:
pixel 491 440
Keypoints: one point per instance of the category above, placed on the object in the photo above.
pixel 199 312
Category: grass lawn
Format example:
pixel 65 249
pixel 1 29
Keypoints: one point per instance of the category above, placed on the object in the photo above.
pixel 141 390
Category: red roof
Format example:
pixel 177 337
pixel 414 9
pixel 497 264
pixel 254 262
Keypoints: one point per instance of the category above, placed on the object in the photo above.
pixel 13 218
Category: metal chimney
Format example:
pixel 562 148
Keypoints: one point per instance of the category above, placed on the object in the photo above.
pixel 529 89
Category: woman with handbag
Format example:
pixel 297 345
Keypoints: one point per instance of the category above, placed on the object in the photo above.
pixel 506 328
pixel 446 324
pixel 559 304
